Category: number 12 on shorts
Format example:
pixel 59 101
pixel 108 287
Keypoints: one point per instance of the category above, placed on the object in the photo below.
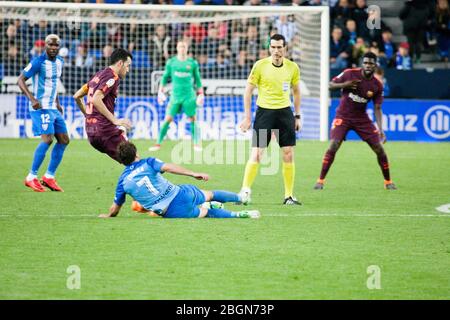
pixel 145 180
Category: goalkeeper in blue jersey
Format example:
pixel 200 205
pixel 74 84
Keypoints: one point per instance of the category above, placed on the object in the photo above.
pixel 184 74
pixel 143 180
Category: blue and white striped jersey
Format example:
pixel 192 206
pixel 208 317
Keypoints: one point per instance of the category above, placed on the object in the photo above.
pixel 45 74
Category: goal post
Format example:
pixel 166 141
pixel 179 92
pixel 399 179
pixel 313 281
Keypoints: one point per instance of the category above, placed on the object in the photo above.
pixel 225 40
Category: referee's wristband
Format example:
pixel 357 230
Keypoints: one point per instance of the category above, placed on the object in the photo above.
pixel 297 116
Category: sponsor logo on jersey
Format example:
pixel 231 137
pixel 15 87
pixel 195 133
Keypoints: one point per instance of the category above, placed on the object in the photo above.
pixel 357 98
pixel 370 94
pixel 180 74
pixel 110 82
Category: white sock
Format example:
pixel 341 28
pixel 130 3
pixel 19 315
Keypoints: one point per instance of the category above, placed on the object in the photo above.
pixel 30 177
pixel 49 176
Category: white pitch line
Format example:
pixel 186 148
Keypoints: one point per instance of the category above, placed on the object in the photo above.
pixel 300 215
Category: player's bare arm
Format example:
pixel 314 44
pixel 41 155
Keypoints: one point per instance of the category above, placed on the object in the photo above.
pixel 21 82
pixel 79 98
pixel 176 169
pixel 113 211
pixel 58 105
pixel 100 106
pixel 247 122
pixel 379 120
pixel 297 98
pixel 351 84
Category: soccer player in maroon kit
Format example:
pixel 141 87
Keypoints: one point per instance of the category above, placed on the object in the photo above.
pixel 104 130
pixel 359 86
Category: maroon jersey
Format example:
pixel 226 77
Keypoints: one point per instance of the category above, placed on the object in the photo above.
pixel 107 81
pixel 353 103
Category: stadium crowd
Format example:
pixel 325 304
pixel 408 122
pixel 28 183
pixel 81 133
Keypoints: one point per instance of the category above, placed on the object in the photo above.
pixel 229 48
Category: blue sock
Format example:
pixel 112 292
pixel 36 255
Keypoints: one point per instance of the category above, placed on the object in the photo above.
pixel 225 196
pixel 220 213
pixel 55 160
pixel 39 156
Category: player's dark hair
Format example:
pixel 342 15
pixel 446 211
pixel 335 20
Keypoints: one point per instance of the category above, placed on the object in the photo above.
pixel 119 54
pixel 278 37
pixel 126 152
pixel 370 55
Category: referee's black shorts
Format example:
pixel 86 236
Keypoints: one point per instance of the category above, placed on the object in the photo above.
pixel 279 121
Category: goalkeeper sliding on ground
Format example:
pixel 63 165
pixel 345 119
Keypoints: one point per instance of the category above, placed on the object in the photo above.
pixel 184 74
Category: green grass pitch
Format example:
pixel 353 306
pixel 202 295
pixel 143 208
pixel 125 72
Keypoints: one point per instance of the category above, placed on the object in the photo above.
pixel 321 250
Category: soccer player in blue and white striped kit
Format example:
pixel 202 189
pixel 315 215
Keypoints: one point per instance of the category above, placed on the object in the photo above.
pixel 142 179
pixel 46 113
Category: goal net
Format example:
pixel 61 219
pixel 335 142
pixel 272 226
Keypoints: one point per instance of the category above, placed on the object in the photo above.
pixel 225 40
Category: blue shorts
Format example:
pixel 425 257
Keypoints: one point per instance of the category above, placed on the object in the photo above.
pixel 47 122
pixel 186 202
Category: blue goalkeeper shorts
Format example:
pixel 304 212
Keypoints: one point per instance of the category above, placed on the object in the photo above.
pixel 186 202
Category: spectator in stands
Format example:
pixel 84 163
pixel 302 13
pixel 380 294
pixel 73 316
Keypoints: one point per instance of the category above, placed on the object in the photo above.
pixel 350 32
pixel 339 50
pixel 236 39
pixel 221 66
pixel 205 64
pixel 38 49
pixel 443 29
pixel 379 74
pixel 242 65
pixel 311 2
pixel 252 3
pixel 360 16
pixel 225 51
pixel 114 34
pixel 11 38
pixel 107 51
pixel 160 47
pixel 416 15
pixel 197 31
pixel 403 60
pixel 94 33
pixel 252 45
pixel 285 27
pixel 135 36
pixel 210 44
pixel 388 47
pixel 263 53
pixel 382 61
pixel 341 12
pixel 373 35
pixel 358 50
pixel 82 57
pixel 14 61
pixel 41 30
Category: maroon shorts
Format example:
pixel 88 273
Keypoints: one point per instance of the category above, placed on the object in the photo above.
pixel 108 143
pixel 365 129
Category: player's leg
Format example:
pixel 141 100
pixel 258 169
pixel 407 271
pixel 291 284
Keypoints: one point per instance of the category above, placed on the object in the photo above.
pixel 172 109
pixel 287 142
pixel 264 123
pixel 110 144
pixel 384 164
pixel 370 134
pixel 224 196
pixel 41 120
pixel 338 133
pixel 195 134
pixel 190 109
pixel 221 196
pixel 62 139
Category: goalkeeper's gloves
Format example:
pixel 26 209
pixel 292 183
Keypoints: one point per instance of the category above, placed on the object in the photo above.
pixel 161 97
pixel 200 99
